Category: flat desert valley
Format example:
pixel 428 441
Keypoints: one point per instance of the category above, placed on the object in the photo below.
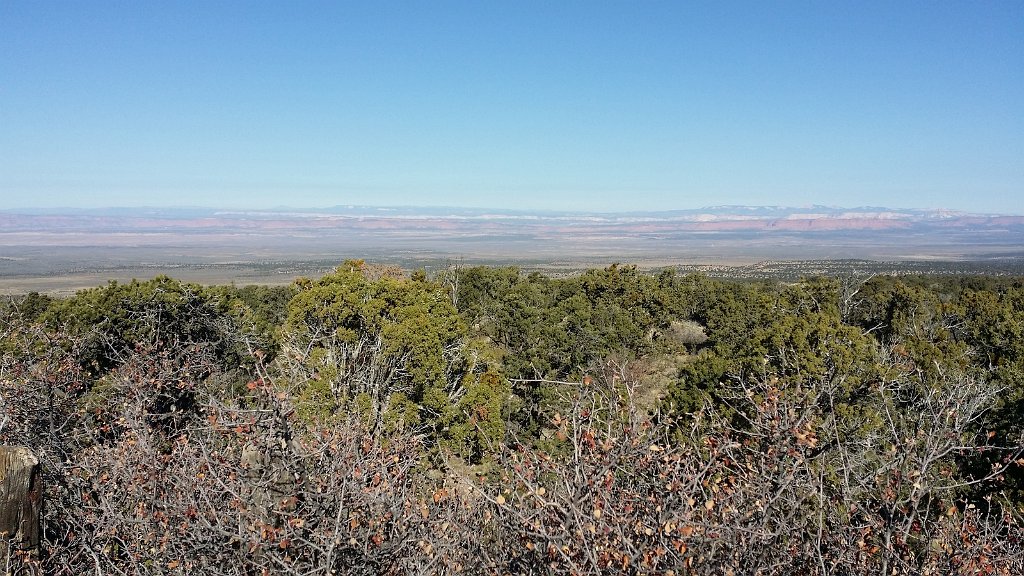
pixel 60 251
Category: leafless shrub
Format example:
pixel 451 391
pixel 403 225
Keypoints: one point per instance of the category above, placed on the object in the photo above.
pixel 801 486
pixel 151 472
pixel 241 487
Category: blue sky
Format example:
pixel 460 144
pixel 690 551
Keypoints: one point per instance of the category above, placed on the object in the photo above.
pixel 551 105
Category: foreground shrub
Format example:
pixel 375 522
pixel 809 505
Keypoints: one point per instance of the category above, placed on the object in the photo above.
pixel 791 492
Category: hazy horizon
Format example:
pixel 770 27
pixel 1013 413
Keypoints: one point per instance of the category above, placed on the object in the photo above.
pixel 307 209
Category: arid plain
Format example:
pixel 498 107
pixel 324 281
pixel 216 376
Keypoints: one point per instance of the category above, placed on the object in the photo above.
pixel 62 251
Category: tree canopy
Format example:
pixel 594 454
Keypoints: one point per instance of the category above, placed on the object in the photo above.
pixel 488 420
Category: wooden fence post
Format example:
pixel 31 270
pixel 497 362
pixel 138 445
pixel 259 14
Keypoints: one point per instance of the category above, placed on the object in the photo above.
pixel 21 495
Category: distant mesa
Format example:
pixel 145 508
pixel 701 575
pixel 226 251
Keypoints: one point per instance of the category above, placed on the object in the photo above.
pixel 709 219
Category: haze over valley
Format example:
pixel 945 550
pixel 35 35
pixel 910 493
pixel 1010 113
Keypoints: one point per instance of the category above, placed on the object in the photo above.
pixel 63 249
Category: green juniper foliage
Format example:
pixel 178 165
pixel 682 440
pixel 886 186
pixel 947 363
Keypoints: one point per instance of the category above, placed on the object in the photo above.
pixel 492 421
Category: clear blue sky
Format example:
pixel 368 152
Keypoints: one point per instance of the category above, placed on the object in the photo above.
pixel 549 104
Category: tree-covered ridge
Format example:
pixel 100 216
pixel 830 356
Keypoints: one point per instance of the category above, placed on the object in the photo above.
pixel 490 421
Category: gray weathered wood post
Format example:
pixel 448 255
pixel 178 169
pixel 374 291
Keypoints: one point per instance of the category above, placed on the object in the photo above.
pixel 21 495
